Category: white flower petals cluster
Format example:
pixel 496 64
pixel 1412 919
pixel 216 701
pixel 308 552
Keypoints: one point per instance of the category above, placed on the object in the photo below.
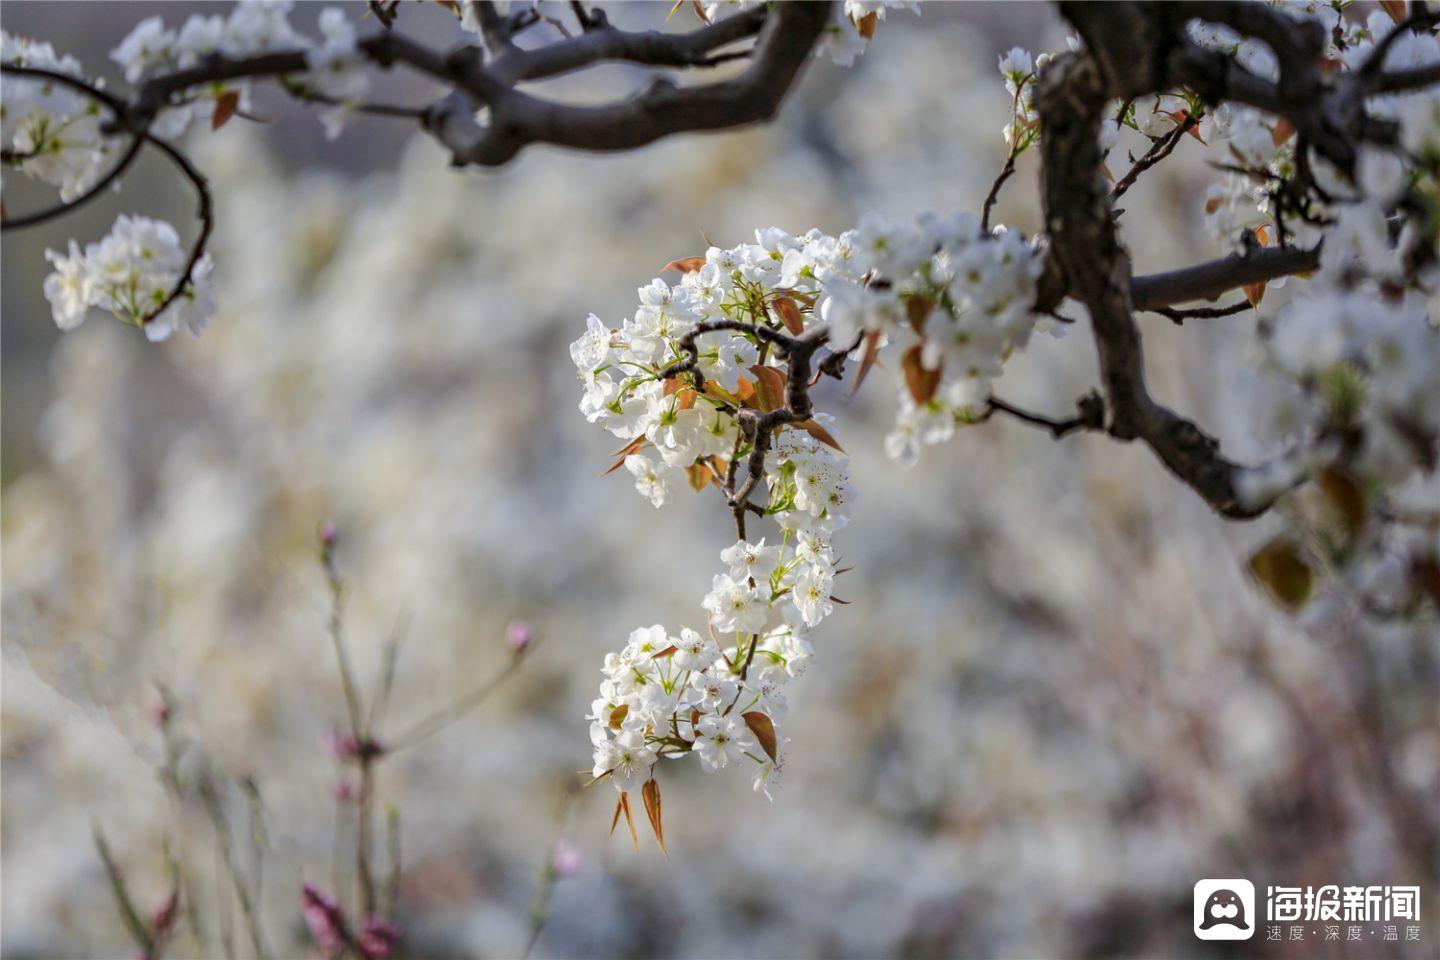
pixel 337 70
pixel 963 298
pixel 719 693
pixel 960 300
pixel 52 129
pixel 130 273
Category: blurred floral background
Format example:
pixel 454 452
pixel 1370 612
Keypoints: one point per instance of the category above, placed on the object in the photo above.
pixel 1055 703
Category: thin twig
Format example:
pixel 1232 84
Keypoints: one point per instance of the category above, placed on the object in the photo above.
pixel 444 717
pixel 1202 313
pixel 1091 416
pixel 1159 150
pixel 128 913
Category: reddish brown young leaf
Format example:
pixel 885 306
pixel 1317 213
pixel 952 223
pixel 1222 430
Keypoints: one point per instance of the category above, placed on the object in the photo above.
pixel 922 383
pixel 820 433
pixel 699 476
pixel 632 447
pixel 225 107
pixel 651 794
pixel 618 715
pixel 1343 493
pixel 867 359
pixel 1281 568
pixel 1255 292
pixel 629 819
pixel 700 10
pixel 667 652
pixel 764 731
pixel 1396 9
pixel 1180 116
pixel 769 388
pixel 615 820
pixel 789 313
pixel 1282 131
pixel 685 264
pixel 866 24
pixel 917 311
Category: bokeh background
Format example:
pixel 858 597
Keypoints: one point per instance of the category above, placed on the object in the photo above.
pixel 1055 703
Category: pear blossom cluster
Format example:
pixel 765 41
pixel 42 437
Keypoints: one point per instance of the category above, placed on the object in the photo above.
pixel 337 70
pixel 55 133
pixel 1345 375
pixel 845 37
pixel 51 132
pixel 131 273
pixel 672 382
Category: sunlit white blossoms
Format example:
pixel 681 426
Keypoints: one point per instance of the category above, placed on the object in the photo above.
pixel 131 273
pixel 683 383
pixel 54 132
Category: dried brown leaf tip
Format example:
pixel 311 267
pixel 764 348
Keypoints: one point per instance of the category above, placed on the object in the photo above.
pixel 764 730
pixel 920 381
pixel 651 795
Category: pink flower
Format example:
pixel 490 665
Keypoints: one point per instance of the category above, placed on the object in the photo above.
pixel 326 920
pixel 566 859
pixel 518 636
pixel 378 938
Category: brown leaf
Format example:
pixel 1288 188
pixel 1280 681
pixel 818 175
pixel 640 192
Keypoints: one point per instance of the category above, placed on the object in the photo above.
pixel 1344 495
pixel 789 313
pixel 615 820
pixel 866 24
pixel 1281 569
pixel 764 731
pixel 1396 9
pixel 1255 292
pixel 921 382
pixel 685 264
pixel 917 311
pixel 632 447
pixel 769 388
pixel 699 476
pixel 624 807
pixel 667 652
pixel 685 399
pixel 700 10
pixel 618 715
pixel 225 107
pixel 1282 131
pixel 819 433
pixel 1180 116
pixel 799 296
pixel 651 793
pixel 867 359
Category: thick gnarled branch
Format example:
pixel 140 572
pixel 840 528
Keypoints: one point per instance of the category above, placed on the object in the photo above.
pixel 1096 271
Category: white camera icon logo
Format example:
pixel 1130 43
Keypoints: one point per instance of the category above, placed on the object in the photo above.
pixel 1224 909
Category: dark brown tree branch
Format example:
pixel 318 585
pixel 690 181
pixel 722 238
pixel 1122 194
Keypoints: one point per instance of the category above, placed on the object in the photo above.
pixel 517 119
pixel 1209 280
pixel 1072 97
